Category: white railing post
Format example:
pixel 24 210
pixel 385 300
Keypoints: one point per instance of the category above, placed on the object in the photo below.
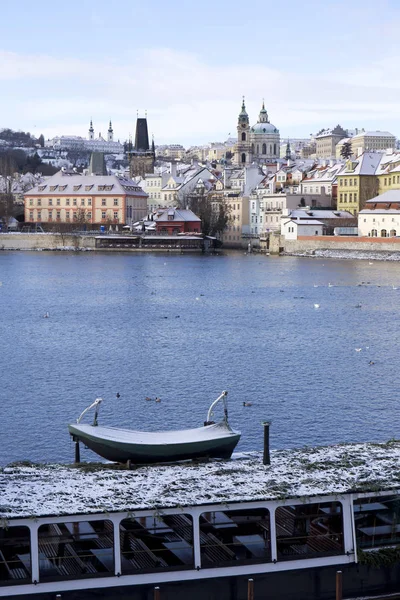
pixel 272 528
pixel 34 532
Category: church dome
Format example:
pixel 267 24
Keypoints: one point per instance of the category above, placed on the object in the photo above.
pixel 262 128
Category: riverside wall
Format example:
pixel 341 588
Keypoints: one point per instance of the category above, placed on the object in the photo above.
pixel 46 241
pixel 310 244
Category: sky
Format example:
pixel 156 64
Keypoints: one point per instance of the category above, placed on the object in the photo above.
pixel 316 64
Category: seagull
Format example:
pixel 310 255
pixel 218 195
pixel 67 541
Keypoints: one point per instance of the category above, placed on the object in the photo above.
pixel 316 305
pixel 46 315
pixel 358 305
pixel 118 395
pixel 358 349
pixel 330 285
pixel 147 398
pixel 315 285
pixel 158 399
pixel 394 287
pixel 371 362
pixel 370 263
pixel 247 404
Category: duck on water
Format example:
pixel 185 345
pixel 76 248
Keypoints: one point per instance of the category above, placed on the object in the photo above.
pixel 213 440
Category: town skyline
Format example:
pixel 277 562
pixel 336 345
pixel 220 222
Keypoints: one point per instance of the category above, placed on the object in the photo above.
pixel 192 80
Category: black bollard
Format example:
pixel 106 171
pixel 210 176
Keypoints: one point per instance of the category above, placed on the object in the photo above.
pixel 266 455
pixel 77 452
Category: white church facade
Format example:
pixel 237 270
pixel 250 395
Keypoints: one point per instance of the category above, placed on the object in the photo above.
pixel 259 143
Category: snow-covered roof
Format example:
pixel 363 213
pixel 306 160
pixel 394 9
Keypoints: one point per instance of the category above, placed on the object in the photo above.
pixel 373 134
pixel 385 198
pixel 178 214
pixel 33 491
pixel 66 183
pixel 305 222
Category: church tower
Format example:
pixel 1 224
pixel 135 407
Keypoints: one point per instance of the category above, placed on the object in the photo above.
pixel 110 137
pixel 91 131
pixel 243 153
pixel 263 117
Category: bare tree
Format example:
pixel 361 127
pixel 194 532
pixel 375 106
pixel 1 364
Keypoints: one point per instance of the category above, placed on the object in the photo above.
pixel 7 170
pixel 213 210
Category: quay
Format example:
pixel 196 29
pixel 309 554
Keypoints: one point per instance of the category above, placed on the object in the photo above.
pixel 102 242
pixel 202 529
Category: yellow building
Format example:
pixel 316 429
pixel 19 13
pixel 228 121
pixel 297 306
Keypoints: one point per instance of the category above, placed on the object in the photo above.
pixel 388 172
pixel 357 182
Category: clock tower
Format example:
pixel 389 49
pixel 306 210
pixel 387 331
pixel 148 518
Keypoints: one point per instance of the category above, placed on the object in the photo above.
pixel 243 153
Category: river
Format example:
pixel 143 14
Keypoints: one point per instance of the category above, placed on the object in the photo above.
pixel 184 328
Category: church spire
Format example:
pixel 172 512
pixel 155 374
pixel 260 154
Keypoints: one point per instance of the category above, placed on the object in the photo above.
pixel 110 133
pixel 91 130
pixel 263 117
pixel 288 154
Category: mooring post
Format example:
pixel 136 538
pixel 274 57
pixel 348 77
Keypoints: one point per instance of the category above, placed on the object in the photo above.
pixel 250 589
pixel 77 452
pixel 266 455
pixel 339 585
pixel 157 593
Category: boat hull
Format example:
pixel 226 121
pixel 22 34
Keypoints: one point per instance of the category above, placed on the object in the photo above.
pixel 142 453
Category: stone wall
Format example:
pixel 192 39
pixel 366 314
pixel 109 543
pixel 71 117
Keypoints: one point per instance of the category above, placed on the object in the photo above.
pixel 308 244
pixel 45 241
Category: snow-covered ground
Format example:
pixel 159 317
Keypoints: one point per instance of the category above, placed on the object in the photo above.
pixel 40 490
pixel 348 254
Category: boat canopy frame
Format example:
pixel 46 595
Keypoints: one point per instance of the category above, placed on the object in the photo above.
pixel 96 405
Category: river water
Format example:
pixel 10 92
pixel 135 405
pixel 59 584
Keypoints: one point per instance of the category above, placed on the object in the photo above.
pixel 184 328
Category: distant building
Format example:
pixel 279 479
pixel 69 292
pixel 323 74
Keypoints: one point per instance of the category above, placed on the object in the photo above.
pixel 142 157
pixel 307 221
pixel 256 143
pixel 326 141
pixel 380 216
pixel 92 144
pixel 70 198
pixel 173 221
pixel 357 182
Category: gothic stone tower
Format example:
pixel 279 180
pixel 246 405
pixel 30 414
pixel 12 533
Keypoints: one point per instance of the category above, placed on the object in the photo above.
pixel 91 131
pixel 141 157
pixel 243 152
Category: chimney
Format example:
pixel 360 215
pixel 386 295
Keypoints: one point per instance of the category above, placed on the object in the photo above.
pixel 172 169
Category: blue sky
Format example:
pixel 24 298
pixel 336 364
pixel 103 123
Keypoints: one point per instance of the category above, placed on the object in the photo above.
pixel 188 64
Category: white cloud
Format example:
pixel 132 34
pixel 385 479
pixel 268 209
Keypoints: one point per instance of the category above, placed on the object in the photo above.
pixel 188 100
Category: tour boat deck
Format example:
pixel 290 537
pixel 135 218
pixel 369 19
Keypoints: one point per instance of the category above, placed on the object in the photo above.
pixel 47 490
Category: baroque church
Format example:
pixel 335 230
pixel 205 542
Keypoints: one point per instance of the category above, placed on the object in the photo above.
pixel 257 143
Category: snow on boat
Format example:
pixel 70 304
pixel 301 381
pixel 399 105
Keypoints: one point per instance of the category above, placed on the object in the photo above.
pixel 214 440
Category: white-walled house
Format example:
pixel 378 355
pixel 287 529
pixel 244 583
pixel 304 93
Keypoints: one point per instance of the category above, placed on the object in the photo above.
pixel 292 228
pixel 381 216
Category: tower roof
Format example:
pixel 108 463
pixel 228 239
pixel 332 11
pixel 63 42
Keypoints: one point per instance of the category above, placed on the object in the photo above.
pixel 91 126
pixel 142 135
pixel 97 165
pixel 110 127
pixel 243 111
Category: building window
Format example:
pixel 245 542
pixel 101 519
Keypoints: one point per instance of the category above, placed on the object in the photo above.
pixel 89 202
pixel 104 202
pixel 31 215
pixel 345 197
pixel 345 183
pixel 39 202
pixel 243 157
pixel 115 214
pixel 115 201
pixel 350 197
pixel 377 527
pixel 31 202
pixel 309 530
pixel 74 201
pixel 103 214
pixel 67 202
pixel 50 202
pixel 355 196
pixel 58 201
pixel 243 136
pixel 39 215
pixel 385 180
pixel 76 549
pixel 58 214
pixel 67 215
pixel 15 555
pixel 82 201
pixel 89 215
